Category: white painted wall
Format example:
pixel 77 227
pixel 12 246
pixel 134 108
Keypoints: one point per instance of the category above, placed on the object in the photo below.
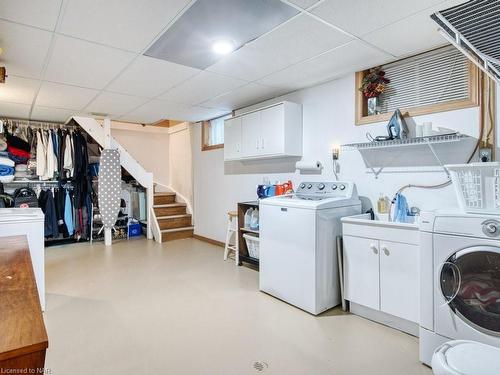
pixel 328 119
pixel 180 162
pixel 148 145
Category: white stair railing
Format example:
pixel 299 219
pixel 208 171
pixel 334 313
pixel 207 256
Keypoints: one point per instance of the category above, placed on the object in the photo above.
pixel 96 131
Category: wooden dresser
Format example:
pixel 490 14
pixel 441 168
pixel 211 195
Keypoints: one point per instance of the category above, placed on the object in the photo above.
pixel 23 338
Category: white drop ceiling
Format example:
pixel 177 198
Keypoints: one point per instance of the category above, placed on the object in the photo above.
pixel 66 57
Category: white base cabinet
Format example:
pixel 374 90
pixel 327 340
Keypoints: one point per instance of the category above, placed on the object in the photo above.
pixel 382 271
pixel 270 132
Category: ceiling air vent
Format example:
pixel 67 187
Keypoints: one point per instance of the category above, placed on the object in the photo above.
pixel 474 29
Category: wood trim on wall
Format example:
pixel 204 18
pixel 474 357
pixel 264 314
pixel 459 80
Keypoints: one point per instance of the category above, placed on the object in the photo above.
pixel 209 240
pixel 204 146
pixel 472 101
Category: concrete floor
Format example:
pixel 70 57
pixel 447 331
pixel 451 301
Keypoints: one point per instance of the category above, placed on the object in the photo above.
pixel 144 308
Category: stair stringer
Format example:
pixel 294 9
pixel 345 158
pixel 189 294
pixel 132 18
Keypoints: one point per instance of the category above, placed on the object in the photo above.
pixel 127 161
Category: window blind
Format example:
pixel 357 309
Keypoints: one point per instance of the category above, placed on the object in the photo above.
pixel 434 77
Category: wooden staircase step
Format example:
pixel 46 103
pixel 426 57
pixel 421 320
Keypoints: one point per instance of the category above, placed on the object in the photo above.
pixel 170 209
pixel 174 221
pixel 177 233
pixel 164 198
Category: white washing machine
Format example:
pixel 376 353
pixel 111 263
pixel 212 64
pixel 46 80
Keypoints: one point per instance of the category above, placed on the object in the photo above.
pixel 460 280
pixel 298 253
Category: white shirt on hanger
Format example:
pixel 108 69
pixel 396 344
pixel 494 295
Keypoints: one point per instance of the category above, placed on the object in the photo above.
pixel 41 154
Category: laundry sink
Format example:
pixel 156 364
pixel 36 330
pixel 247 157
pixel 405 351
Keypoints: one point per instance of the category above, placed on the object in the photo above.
pixel 381 220
pixel 380 228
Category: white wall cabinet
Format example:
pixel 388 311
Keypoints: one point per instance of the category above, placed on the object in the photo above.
pixel 381 266
pixel 270 132
pixel 232 138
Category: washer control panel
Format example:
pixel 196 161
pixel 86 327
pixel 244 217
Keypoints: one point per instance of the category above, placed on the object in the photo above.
pixel 322 190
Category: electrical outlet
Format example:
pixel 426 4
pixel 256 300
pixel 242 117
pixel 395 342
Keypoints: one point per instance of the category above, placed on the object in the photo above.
pixel 485 155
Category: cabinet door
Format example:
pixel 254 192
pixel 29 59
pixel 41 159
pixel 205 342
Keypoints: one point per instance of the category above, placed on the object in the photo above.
pixel 273 130
pixel 399 280
pixel 250 134
pixel 232 138
pixel 361 271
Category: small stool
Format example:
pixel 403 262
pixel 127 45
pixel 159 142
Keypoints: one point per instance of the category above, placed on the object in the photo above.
pixel 232 227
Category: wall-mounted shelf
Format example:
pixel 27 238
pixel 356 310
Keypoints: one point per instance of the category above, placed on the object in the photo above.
pixel 457 137
pixel 436 150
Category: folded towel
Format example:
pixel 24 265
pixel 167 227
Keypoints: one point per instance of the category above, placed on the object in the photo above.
pixel 21 167
pixel 6 179
pixel 18 152
pixel 3 144
pixel 6 161
pixel 18 143
pixel 5 170
pixel 18 159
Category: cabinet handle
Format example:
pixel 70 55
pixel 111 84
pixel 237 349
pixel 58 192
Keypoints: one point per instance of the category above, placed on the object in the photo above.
pixel 374 248
pixel 262 143
pixel 386 250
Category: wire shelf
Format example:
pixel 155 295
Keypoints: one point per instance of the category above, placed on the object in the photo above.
pixel 435 139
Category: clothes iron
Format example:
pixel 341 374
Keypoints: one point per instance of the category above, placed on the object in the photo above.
pixel 396 128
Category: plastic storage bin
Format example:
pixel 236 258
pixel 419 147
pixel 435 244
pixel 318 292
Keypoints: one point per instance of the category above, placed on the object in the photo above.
pixel 253 245
pixel 477 186
pixel 134 230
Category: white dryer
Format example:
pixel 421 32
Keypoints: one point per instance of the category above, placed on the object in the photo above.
pixel 460 280
pixel 298 253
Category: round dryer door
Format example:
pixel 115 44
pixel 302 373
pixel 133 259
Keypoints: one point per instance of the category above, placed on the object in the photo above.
pixel 470 283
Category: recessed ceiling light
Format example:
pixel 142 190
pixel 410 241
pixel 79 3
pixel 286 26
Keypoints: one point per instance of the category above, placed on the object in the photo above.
pixel 223 47
pixel 193 39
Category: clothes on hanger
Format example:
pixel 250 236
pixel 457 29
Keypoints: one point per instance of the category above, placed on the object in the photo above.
pixel 47 204
pixel 41 154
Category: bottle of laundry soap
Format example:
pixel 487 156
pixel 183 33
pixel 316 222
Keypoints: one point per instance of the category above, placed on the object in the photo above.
pixel 248 218
pixel 382 204
pixel 254 222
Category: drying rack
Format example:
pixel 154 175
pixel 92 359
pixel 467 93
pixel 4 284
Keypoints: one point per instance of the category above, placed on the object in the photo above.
pixel 470 27
pixel 367 149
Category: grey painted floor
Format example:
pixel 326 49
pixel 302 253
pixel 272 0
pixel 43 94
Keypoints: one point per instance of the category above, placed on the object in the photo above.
pixel 144 308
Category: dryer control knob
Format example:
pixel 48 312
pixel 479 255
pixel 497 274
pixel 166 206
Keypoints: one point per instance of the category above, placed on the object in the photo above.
pixel 302 185
pixel 491 228
pixel 309 186
pixel 321 186
pixel 342 187
pixel 334 187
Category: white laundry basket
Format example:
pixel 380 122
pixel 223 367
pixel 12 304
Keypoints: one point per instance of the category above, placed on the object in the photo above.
pixel 253 245
pixel 477 186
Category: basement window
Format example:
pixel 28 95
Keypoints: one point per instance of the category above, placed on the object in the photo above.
pixel 436 81
pixel 212 133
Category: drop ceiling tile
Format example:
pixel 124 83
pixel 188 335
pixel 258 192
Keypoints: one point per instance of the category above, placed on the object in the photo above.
pixel 24 49
pixel 201 87
pixel 116 104
pixel 148 113
pixel 126 24
pixel 304 4
pixel 298 39
pixel 18 90
pixel 42 14
pixel 64 96
pixel 243 96
pixel 81 63
pixel 415 34
pixel 52 114
pixel 149 77
pixel 14 110
pixel 194 113
pixel 360 16
pixel 349 58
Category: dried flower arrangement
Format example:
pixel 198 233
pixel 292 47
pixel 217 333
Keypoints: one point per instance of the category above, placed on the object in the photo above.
pixel 373 84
